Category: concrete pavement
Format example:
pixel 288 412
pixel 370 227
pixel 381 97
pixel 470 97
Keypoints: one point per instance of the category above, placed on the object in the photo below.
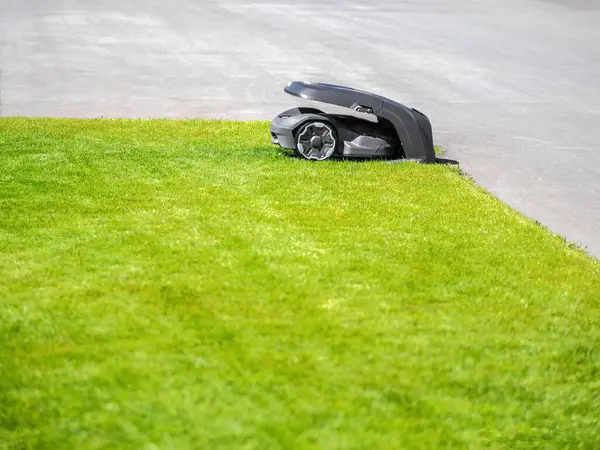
pixel 512 86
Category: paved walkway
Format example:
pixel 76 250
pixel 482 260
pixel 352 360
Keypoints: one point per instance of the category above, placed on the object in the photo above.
pixel 512 86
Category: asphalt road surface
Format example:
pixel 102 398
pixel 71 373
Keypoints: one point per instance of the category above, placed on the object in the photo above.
pixel 512 86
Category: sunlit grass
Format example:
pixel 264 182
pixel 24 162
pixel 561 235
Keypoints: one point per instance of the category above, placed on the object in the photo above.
pixel 186 285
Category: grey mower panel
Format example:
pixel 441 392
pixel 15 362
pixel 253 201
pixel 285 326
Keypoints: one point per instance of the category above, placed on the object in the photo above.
pixel 368 147
pixel 413 127
pixel 283 125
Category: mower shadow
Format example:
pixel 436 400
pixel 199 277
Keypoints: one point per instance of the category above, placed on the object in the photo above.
pixel 446 162
pixel 443 161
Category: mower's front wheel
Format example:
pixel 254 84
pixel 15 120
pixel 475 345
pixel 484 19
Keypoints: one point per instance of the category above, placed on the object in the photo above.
pixel 316 140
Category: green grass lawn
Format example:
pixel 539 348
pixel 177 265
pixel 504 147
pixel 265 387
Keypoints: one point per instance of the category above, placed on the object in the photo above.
pixel 187 285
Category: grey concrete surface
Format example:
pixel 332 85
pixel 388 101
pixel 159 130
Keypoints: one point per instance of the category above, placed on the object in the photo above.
pixel 512 86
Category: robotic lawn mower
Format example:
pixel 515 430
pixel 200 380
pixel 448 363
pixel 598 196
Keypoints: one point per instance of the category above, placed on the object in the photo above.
pixel 389 129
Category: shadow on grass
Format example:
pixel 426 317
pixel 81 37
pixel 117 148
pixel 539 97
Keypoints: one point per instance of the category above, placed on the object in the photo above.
pixel 294 155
